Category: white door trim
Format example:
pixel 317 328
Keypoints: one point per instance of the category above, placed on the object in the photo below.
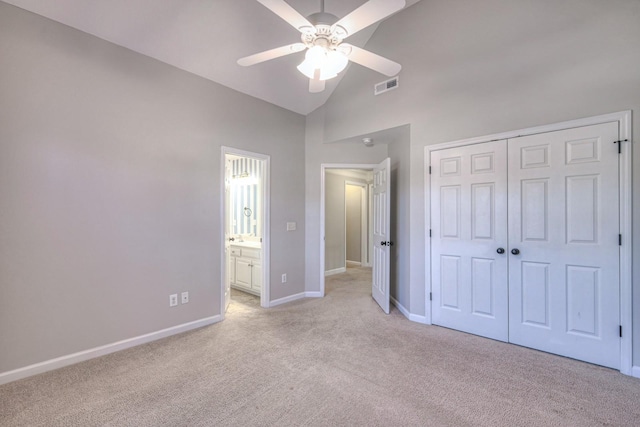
pixel 265 290
pixel 624 125
pixel 369 224
pixel 323 168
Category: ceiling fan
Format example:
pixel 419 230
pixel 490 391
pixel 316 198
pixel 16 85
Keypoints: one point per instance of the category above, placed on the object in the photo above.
pixel 322 36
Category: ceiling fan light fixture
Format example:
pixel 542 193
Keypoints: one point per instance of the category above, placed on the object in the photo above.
pixel 326 74
pixel 307 68
pixel 330 63
pixel 322 34
pixel 317 55
pixel 314 59
pixel 336 61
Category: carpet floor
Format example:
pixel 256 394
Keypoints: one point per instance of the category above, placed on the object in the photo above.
pixel 333 361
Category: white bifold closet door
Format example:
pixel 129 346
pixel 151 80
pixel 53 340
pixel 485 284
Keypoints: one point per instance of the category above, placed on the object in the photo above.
pixel 468 228
pixel 564 285
pixel 550 201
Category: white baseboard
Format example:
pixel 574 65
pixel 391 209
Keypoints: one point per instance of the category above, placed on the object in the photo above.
pixel 419 319
pixel 400 307
pixel 313 294
pixel 413 317
pixel 354 263
pixel 335 271
pixel 81 356
pixel 635 371
pixel 287 299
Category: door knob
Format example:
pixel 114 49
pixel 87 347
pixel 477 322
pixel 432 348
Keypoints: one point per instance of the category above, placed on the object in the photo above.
pixel 383 243
pixel 231 239
pixel 515 251
pixel 500 251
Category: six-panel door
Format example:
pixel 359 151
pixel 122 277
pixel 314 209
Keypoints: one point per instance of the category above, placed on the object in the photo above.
pixel 562 256
pixel 563 219
pixel 468 228
pixel 382 242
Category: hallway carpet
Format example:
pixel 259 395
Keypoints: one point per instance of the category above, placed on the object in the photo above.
pixel 333 361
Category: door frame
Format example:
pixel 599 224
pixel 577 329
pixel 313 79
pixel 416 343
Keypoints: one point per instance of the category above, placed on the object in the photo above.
pixel 323 169
pixel 265 289
pixel 625 199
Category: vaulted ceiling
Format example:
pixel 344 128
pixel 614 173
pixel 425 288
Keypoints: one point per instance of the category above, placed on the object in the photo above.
pixel 207 37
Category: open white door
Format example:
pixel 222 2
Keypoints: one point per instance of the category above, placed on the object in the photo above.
pixel 381 234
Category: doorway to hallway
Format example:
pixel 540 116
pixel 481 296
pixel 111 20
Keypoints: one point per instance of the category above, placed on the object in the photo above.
pixel 375 180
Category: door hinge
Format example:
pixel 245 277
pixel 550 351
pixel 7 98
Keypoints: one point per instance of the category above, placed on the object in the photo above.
pixel 620 331
pixel 619 239
pixel 429 232
pixel 619 142
pixel 430 296
pixel 429 170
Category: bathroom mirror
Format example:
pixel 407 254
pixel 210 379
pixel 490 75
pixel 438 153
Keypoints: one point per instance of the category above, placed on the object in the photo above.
pixel 245 197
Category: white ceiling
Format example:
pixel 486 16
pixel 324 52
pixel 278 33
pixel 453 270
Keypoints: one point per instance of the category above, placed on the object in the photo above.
pixel 207 37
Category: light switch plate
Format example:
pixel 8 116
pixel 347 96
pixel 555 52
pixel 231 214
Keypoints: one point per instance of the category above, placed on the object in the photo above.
pixel 291 226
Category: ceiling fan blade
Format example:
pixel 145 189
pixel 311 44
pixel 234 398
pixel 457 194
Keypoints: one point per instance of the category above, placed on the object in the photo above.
pixel 316 85
pixel 289 14
pixel 367 14
pixel 271 54
pixel 371 60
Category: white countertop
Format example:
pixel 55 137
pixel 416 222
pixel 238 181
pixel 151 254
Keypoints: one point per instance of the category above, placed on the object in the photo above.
pixel 254 245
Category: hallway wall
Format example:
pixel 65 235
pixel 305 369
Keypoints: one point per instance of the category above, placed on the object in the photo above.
pixel 353 196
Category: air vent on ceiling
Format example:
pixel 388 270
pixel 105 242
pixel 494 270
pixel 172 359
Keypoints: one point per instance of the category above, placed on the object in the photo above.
pixel 385 86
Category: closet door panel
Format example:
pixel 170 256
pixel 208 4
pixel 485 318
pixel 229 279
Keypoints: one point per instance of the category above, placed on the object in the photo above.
pixel 564 290
pixel 468 225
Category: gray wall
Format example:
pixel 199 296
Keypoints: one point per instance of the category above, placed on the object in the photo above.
pixel 335 226
pixel 475 68
pixel 110 190
pixel 353 222
pixel 334 244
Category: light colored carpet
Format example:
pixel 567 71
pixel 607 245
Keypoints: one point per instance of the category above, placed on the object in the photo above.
pixel 324 362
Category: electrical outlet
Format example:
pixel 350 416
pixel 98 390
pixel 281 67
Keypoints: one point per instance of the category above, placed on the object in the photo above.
pixel 284 278
pixel 185 297
pixel 173 300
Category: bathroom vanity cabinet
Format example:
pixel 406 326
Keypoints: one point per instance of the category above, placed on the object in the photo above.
pixel 245 269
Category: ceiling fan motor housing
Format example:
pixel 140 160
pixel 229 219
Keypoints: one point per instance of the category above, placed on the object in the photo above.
pixel 322 18
pixel 323 35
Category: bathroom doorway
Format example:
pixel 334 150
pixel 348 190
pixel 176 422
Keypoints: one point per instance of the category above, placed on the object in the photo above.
pixel 245 210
